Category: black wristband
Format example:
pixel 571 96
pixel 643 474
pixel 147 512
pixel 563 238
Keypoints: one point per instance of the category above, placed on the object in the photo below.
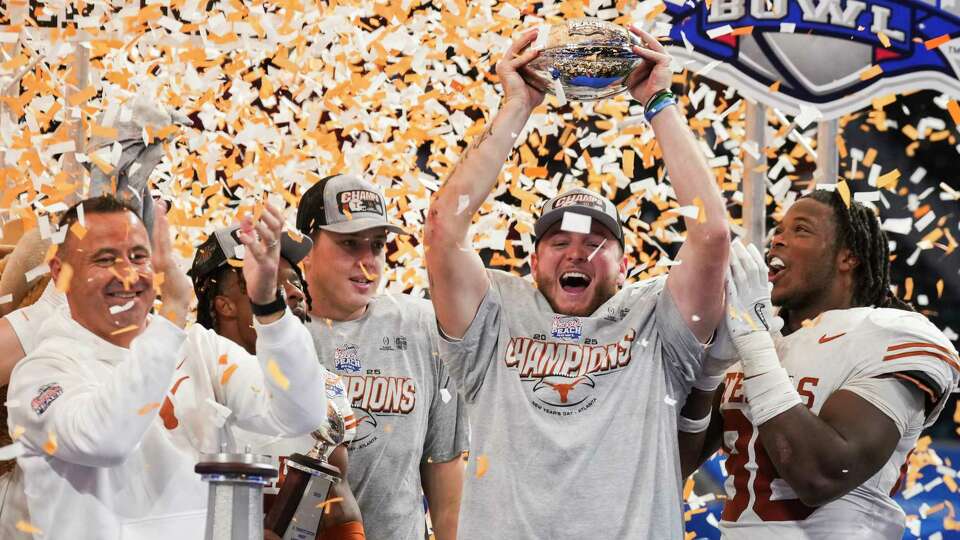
pixel 276 305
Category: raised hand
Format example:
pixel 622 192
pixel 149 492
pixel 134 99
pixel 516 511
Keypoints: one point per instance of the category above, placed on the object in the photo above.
pixel 748 293
pixel 655 74
pixel 261 241
pixel 175 286
pixel 515 89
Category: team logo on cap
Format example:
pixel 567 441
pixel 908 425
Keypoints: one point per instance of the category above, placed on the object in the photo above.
pixel 359 200
pixel 581 199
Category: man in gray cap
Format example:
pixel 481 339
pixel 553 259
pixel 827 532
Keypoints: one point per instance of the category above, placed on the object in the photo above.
pixel 574 386
pixel 411 427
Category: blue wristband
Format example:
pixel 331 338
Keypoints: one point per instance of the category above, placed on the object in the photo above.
pixel 658 106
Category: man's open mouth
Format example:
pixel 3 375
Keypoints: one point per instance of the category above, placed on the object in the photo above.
pixel 574 282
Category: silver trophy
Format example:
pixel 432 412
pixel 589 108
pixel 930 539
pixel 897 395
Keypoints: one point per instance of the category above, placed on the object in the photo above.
pixel 297 512
pixel 234 503
pixel 584 59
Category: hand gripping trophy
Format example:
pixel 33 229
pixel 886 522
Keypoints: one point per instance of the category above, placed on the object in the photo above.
pixel 297 512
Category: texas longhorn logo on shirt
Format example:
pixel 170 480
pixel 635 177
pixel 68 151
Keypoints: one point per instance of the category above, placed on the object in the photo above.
pixel 563 374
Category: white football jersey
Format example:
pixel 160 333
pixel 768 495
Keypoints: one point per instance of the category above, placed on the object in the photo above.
pixel 834 352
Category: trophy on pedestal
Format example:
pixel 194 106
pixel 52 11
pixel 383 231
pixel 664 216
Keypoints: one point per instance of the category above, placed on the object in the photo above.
pixel 235 500
pixel 297 512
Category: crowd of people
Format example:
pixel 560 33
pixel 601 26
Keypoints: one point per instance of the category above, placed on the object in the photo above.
pixel 584 400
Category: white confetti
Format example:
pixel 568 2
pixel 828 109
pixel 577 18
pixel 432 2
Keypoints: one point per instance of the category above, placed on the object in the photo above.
pixel 444 395
pixel 462 202
pixel 120 309
pixel 36 272
pixel 574 222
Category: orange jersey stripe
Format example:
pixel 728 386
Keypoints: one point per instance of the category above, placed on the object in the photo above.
pixel 920 385
pixel 901 346
pixel 946 359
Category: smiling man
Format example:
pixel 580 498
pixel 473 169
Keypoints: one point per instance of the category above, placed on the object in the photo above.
pixel 114 407
pixel 819 418
pixel 411 427
pixel 572 386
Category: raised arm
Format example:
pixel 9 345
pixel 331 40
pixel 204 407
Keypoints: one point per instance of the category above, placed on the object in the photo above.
pixel 458 280
pixel 696 284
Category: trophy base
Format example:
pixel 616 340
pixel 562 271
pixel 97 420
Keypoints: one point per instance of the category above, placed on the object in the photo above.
pixel 297 511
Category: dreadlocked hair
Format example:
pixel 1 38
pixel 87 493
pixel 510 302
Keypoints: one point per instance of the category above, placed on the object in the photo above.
pixel 858 229
pixel 208 288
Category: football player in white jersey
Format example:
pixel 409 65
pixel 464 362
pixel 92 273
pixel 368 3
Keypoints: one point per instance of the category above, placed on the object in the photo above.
pixel 818 420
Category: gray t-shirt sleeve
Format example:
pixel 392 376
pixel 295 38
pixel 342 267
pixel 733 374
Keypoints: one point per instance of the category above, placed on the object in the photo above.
pixel 469 359
pixel 682 352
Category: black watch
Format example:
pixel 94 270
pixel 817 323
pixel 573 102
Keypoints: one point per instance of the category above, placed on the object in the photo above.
pixel 278 304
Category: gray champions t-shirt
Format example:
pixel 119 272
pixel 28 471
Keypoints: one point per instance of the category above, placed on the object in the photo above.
pixel 406 406
pixel 573 419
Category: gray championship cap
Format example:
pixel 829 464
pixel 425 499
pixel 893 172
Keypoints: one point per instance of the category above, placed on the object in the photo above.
pixel 580 201
pixel 222 244
pixel 343 204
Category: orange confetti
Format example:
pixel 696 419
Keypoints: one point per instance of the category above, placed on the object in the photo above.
pixel 147 408
pixel 871 72
pixel 775 87
pixel 844 192
pixel 701 211
pixel 64 277
pixel 327 504
pixel 227 374
pixel 481 466
pixel 889 180
pixel 933 43
pixel 158 280
pixel 124 330
pixel 366 274
pixel 82 96
pixel 277 375
pixel 908 288
pixel 222 360
pixel 954 109
pixel 78 230
pixel 939 294
pixel 50 447
pixel 884 40
pixel 29 528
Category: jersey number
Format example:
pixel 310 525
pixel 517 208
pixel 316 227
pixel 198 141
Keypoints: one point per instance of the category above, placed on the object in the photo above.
pixel 739 465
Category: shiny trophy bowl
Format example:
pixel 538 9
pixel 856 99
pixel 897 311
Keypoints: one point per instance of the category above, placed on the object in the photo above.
pixel 584 59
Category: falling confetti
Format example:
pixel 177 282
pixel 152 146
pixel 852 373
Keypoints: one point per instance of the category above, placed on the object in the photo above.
pixel 50 447
pixel 481 466
pixel 277 375
pixel 227 373
pixel 147 408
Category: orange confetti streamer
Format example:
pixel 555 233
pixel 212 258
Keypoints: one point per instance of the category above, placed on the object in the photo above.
pixel 222 360
pixel 227 374
pixel 844 190
pixel 889 180
pixel 775 87
pixel 28 528
pixel 954 109
pixel 871 72
pixel 64 278
pixel 82 96
pixel 481 466
pixel 908 288
pixel 124 330
pixel 884 40
pixel 933 43
pixel 147 408
pixel 277 375
pixel 50 447
pixel 327 504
